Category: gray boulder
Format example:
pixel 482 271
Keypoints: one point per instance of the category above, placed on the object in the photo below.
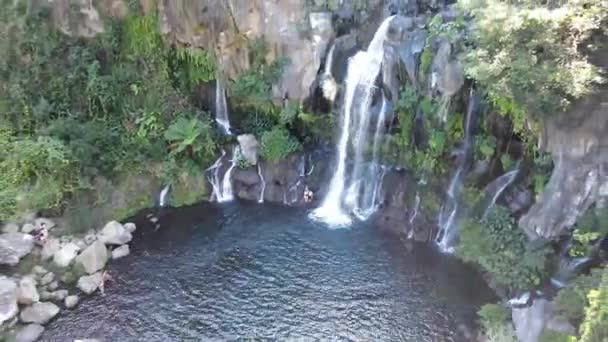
pixel 28 293
pixel 14 246
pixel 29 333
pixel 120 252
pixel 130 227
pixel 51 246
pixel 10 228
pixel 28 228
pixel 90 238
pixel 93 258
pixel 55 296
pixel 70 302
pixel 53 286
pixel 64 257
pixel 40 313
pixel 47 278
pixel 89 284
pixel 39 270
pixel 249 148
pixel 114 233
pixel 8 299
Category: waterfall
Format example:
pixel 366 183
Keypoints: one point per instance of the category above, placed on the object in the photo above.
pixel 222 187
pixel 498 186
pixel 261 198
pixel 221 108
pixel 330 60
pixel 448 214
pixel 568 269
pixel 162 198
pixel 363 70
pixel 413 216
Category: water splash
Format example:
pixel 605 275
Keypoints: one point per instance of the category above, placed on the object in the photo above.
pixel 261 197
pixel 363 70
pixel 162 198
pixel 221 108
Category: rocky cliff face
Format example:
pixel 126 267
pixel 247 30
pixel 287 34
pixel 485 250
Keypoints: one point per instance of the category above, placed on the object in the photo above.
pixel 579 145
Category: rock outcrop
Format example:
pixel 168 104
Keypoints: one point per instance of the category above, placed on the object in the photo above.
pixel 249 148
pixel 14 246
pixel 579 145
pixel 120 252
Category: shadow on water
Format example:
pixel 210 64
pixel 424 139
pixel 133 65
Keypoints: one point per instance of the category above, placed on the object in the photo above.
pixel 241 270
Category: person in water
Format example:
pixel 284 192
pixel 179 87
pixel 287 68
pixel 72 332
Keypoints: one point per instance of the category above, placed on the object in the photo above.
pixel 105 276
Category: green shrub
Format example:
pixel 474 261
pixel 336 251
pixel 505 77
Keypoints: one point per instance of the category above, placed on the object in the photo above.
pixel 493 316
pixel 191 138
pixel 571 301
pixel 595 326
pixel 36 174
pixel 501 333
pixel 554 336
pixel 277 144
pixel 500 247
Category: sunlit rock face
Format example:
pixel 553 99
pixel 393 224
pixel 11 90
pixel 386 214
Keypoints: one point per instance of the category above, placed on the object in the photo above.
pixel 578 141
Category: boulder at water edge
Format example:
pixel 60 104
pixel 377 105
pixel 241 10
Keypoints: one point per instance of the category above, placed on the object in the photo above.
pixel 93 258
pixel 120 252
pixel 114 233
pixel 70 302
pixel 14 246
pixel 130 227
pixel 47 278
pixel 29 333
pixel 40 313
pixel 89 284
pixel 63 257
pixel 8 299
pixel 55 296
pixel 28 294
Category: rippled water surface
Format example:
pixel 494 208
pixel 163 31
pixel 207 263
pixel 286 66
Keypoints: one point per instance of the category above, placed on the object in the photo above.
pixel 244 271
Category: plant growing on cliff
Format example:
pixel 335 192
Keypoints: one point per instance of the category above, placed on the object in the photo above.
pixel 500 248
pixel 253 88
pixel 191 138
pixel 277 144
pixel 571 301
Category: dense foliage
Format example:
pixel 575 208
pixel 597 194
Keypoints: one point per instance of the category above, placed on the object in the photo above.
pixel 277 144
pixel 501 248
pixel 73 109
pixel 529 56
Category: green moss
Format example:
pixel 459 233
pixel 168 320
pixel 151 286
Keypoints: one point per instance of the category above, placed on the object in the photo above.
pixel 190 188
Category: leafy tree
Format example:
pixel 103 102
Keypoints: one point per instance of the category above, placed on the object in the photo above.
pixel 190 137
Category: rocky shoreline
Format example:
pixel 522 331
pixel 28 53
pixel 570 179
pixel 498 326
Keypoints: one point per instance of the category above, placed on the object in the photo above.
pixel 41 278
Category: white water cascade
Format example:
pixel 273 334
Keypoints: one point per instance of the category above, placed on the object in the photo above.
pixel 222 186
pixel 346 188
pixel 261 197
pixel 221 108
pixel 498 186
pixel 328 83
pixel 448 215
pixel 162 198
